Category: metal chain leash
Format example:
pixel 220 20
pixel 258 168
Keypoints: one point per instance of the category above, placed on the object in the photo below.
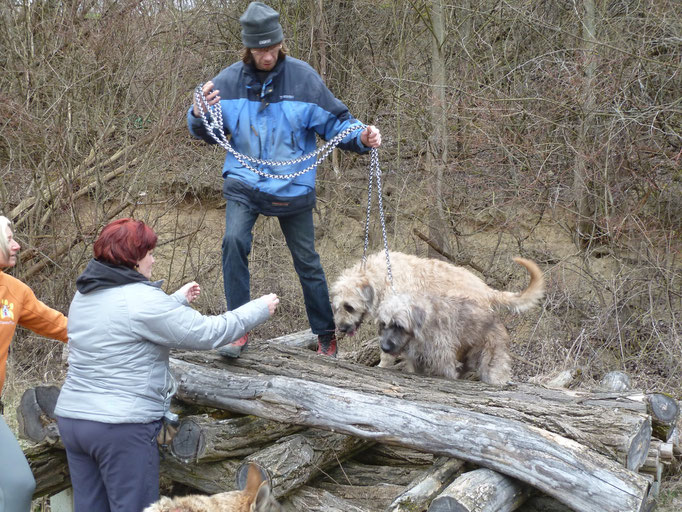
pixel 375 170
pixel 215 128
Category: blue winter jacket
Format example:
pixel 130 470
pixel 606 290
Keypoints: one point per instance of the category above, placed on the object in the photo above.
pixel 276 120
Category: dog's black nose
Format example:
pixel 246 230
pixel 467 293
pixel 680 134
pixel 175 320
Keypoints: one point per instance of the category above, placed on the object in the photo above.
pixel 387 346
pixel 345 328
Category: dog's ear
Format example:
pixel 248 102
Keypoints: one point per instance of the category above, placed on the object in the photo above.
pixel 418 317
pixel 265 501
pixel 367 292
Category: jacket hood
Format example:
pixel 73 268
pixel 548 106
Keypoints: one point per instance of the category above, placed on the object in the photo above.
pixel 99 274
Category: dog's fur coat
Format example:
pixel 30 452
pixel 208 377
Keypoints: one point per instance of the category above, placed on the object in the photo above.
pixel 256 497
pixel 359 290
pixel 445 336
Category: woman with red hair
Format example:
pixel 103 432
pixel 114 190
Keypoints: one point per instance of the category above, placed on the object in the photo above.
pixel 118 388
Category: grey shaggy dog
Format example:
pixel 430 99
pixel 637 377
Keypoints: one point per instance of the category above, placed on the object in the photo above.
pixel 445 336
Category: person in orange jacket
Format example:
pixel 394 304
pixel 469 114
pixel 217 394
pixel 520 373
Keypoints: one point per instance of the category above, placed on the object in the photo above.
pixel 18 306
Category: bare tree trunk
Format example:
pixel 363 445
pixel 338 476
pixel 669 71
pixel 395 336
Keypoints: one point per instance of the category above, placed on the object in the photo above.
pixel 582 182
pixel 438 140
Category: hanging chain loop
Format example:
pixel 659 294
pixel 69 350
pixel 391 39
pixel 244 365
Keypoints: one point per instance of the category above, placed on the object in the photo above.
pixel 214 127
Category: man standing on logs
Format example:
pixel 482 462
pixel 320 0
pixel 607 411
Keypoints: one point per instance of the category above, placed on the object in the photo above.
pixel 272 107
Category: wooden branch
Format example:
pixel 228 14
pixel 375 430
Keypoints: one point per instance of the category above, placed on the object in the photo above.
pixel 301 339
pixel 66 246
pixel 204 439
pixel 560 467
pixel 620 435
pixel 296 459
pixel 481 490
pixel 427 486
pixel 454 259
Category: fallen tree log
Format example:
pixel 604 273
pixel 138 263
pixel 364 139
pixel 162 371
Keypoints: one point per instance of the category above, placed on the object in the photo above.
pixel 559 467
pixel 481 490
pixel 427 486
pixel 201 438
pixel 621 435
pixel 49 468
pixel 296 459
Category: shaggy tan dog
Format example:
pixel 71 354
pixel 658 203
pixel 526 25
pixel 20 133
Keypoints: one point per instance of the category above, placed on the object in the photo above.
pixel 358 291
pixel 444 336
pixel 256 497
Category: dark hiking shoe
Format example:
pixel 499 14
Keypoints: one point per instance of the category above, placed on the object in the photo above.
pixel 326 344
pixel 235 348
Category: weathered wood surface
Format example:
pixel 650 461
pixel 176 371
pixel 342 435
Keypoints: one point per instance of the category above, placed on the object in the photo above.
pixel 575 475
pixel 373 497
pixel 616 381
pixel 621 435
pixel 665 413
pixel 311 499
pixel 393 455
pixel 302 339
pixel 422 490
pixel 481 490
pixel 209 478
pixel 296 459
pixel 201 438
pixel 49 467
pixel 543 503
pixel 352 472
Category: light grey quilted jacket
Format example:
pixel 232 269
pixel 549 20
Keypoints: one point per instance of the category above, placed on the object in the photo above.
pixel 119 343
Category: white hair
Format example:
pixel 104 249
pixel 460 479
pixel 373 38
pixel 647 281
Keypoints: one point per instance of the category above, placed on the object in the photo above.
pixel 4 246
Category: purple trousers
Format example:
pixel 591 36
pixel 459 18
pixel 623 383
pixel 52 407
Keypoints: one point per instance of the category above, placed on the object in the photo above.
pixel 114 466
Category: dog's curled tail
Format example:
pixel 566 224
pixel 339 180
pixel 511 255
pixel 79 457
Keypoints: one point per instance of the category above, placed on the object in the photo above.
pixel 519 302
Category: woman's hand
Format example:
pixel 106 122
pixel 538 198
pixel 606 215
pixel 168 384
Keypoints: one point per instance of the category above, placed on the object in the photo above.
pixel 272 301
pixel 191 291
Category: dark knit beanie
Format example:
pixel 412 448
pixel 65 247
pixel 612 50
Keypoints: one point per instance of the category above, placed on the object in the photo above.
pixel 260 26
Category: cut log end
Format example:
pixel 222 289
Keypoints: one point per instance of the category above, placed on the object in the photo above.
pixel 243 472
pixel 189 442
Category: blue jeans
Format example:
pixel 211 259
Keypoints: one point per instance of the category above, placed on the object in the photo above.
pixel 299 234
pixel 114 466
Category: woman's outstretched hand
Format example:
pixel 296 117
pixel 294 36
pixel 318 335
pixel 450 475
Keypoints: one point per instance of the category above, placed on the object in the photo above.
pixel 272 301
pixel 191 291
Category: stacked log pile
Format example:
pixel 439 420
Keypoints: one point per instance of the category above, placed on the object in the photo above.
pixel 341 435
